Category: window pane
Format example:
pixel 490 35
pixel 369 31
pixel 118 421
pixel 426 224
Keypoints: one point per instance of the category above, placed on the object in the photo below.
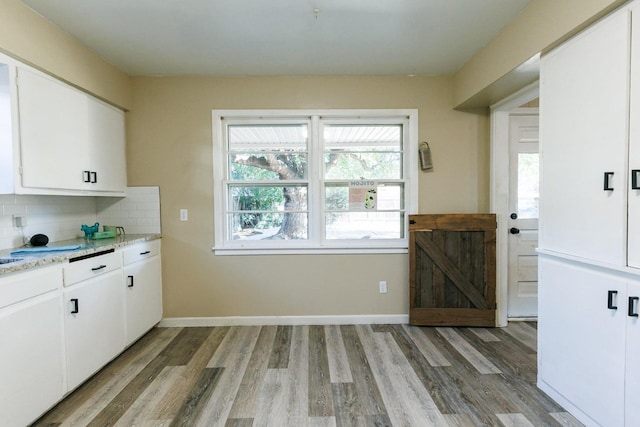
pixel 356 165
pixel 267 166
pixel 267 152
pixel 528 184
pixel 364 225
pixel 268 211
pixel 357 151
pixel 268 226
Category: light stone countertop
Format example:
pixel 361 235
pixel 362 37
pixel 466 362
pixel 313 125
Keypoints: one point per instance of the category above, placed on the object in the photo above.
pixel 32 260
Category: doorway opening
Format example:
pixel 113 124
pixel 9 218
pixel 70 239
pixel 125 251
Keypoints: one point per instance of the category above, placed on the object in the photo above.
pixel 514 184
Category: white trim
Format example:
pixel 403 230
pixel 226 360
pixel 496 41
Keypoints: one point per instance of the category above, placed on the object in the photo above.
pixel 365 319
pixel 499 201
pixel 309 251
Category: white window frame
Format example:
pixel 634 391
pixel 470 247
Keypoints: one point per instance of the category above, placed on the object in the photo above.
pixel 314 243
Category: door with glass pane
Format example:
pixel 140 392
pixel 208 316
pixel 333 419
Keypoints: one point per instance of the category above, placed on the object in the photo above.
pixel 524 172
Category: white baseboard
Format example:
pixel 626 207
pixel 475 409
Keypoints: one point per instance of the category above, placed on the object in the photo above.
pixel 173 322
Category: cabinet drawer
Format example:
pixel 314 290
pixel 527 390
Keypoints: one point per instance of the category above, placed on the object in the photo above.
pixel 88 268
pixel 141 251
pixel 21 286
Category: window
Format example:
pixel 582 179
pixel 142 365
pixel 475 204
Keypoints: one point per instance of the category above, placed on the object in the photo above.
pixel 313 181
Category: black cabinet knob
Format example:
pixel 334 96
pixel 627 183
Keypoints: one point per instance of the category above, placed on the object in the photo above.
pixel 514 230
pixel 514 215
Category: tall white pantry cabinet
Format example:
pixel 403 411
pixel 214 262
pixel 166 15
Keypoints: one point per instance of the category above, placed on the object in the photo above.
pixel 589 330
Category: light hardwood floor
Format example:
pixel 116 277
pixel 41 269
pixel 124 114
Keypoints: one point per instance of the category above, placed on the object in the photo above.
pixel 363 375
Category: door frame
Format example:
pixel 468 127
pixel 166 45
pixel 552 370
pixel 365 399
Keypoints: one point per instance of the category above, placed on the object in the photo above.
pixel 499 180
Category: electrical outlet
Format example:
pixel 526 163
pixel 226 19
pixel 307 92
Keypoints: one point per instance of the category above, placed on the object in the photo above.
pixel 184 215
pixel 20 221
pixel 383 286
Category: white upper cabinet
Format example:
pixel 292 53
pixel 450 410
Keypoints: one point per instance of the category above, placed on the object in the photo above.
pixel 634 144
pixel 56 139
pixel 107 147
pixel 53 132
pixel 584 133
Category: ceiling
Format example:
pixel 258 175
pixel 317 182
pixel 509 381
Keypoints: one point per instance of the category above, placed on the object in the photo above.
pixel 282 37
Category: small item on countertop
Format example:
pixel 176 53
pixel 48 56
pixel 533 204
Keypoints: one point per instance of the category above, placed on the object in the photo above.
pixel 39 240
pixel 89 230
pixel 103 235
pixel 118 230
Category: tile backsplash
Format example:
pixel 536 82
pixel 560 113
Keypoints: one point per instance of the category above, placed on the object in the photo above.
pixel 60 217
pixel 138 213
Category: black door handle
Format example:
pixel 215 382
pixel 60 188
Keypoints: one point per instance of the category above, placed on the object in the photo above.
pixel 514 230
pixel 130 285
pixel 74 301
pixel 632 307
pixel 86 176
pixel 635 182
pixel 607 181
pixel 94 177
pixel 610 303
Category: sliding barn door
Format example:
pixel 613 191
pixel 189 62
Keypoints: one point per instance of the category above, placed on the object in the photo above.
pixel 452 260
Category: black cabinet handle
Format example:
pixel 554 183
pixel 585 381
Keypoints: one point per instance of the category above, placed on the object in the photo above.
pixel 607 181
pixel 145 253
pixel 74 301
pixel 94 177
pixel 610 303
pixel 514 230
pixel 635 182
pixel 86 176
pixel 99 268
pixel 130 284
pixel 632 307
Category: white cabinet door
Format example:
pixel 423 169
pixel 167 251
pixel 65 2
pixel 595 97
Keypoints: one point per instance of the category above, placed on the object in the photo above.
pixel 632 378
pixel 107 147
pixel 143 297
pixel 95 332
pixel 584 92
pixel 634 143
pixel 53 129
pixel 31 359
pixel 581 348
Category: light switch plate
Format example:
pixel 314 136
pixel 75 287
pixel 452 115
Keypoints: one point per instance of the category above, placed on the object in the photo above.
pixel 184 215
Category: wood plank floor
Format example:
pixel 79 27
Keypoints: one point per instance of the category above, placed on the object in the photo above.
pixel 362 375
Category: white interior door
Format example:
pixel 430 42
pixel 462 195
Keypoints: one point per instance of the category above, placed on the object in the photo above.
pixel 524 179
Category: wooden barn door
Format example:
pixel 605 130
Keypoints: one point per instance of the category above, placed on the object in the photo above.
pixel 452 261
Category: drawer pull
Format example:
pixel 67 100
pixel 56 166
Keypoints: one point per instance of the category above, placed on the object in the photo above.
pixel 145 253
pixel 94 177
pixel 86 175
pixel 610 304
pixel 635 182
pixel 130 284
pixel 633 309
pixel 74 301
pixel 99 268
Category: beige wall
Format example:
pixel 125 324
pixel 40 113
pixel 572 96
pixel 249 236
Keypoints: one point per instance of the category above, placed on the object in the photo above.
pixel 169 144
pixel 32 39
pixel 541 25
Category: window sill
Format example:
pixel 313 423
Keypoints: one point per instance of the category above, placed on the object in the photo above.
pixel 308 251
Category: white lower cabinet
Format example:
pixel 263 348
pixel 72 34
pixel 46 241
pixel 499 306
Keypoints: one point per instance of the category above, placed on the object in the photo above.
pixel 31 343
pixel 143 293
pixel 589 341
pixel 94 315
pixel 62 323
